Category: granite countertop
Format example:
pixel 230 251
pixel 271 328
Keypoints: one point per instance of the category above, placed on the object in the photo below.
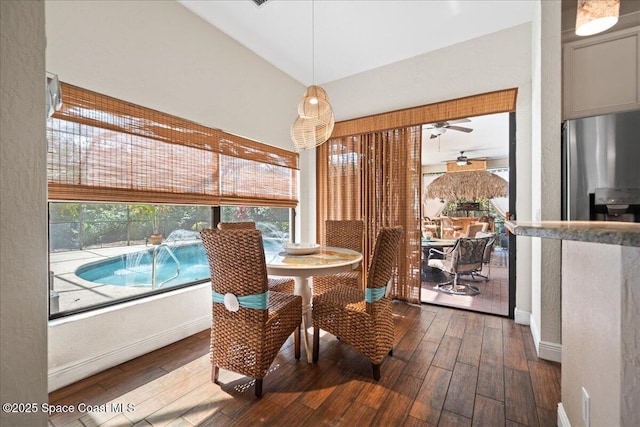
pixel 613 233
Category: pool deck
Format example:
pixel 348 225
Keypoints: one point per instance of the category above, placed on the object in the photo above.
pixel 74 292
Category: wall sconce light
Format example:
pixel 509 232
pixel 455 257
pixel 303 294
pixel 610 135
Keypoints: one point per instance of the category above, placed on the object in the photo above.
pixel 596 16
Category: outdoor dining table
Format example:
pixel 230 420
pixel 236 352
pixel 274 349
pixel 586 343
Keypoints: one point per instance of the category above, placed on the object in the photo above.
pixel 439 244
pixel 302 268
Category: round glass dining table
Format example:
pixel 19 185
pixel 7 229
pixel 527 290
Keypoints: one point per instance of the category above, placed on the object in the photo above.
pixel 326 260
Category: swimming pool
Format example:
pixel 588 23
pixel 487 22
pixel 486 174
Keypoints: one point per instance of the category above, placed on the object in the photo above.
pixel 135 269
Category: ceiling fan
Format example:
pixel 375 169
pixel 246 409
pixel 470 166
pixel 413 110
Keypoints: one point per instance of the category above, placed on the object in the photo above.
pixel 462 160
pixel 439 128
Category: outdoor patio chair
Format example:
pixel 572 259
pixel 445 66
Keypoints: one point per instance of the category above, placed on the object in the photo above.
pixel 486 257
pixel 250 323
pixel 347 234
pixel 362 318
pixel 448 228
pixel 472 229
pixel 465 257
pixel 279 284
pixel 429 228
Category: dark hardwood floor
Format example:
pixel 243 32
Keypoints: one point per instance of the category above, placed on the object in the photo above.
pixel 448 368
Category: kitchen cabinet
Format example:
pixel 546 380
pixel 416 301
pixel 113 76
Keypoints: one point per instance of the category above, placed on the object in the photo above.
pixel 601 74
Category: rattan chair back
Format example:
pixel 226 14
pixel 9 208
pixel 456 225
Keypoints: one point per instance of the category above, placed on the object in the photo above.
pixel 384 257
pixel 247 340
pixel 347 234
pixel 246 225
pixel 280 284
pixel 237 264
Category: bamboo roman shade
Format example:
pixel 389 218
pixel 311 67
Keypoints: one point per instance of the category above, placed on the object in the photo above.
pixel 104 149
pixel 476 105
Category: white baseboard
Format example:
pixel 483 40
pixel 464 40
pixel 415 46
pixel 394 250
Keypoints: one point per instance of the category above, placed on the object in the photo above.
pixel 546 350
pixel 65 375
pixel 522 317
pixel 550 351
pixel 563 420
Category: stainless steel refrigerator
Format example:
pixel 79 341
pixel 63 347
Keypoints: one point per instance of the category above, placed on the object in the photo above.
pixel 601 167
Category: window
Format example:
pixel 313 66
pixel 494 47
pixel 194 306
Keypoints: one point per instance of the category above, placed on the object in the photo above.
pixel 275 223
pixel 101 253
pixel 120 174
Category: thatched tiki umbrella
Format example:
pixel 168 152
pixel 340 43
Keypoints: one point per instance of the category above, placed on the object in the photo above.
pixel 469 185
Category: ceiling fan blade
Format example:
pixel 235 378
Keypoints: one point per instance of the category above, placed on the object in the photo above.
pixel 460 128
pixel 458 121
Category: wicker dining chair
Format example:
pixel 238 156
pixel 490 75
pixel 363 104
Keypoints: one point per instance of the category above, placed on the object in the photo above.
pixel 347 234
pixel 362 319
pixel 278 284
pixel 251 325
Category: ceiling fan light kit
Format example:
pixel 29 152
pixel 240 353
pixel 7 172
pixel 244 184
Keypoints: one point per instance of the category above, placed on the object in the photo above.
pixel 462 160
pixel 315 120
pixel 596 16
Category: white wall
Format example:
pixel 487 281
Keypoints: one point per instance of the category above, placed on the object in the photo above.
pixel 160 55
pixel 23 211
pixel 546 178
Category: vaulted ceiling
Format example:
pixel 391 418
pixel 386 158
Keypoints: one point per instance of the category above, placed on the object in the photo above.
pixel 325 40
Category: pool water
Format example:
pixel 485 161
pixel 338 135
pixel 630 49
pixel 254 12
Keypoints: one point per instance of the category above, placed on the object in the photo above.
pixel 135 269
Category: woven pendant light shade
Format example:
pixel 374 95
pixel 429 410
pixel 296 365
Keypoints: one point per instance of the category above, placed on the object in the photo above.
pixel 315 120
pixel 308 133
pixel 316 91
pixel 595 16
pixel 316 108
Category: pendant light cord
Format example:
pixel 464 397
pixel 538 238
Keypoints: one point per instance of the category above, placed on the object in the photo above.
pixel 313 42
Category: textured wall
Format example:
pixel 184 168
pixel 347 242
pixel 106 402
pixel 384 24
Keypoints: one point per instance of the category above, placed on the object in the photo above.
pixel 591 353
pixel 600 334
pixel 630 336
pixel 23 211
pixel 546 177
pixel 550 176
pixel 160 55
